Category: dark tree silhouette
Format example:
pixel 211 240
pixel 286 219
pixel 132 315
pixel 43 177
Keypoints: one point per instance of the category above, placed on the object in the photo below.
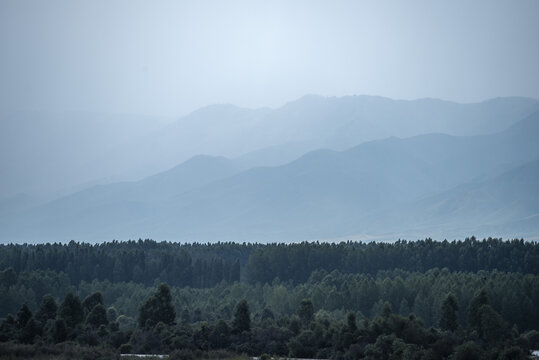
pixel 242 317
pixel 98 316
pixel 306 311
pixel 47 310
pixel 71 310
pixel 91 301
pixel 158 308
pixel 449 320
pixel 23 316
pixel 474 313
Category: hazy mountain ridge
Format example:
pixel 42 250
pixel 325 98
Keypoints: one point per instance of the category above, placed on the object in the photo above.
pixel 511 195
pixel 506 204
pixel 328 193
pixel 73 151
pixel 125 201
pixel 323 194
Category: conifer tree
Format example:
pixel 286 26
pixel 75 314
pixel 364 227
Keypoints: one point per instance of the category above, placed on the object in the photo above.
pixel 91 301
pixel 71 310
pixel 23 316
pixel 98 316
pixel 474 313
pixel 306 311
pixel 448 320
pixel 47 310
pixel 158 308
pixel 242 317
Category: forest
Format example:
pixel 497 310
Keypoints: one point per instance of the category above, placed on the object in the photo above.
pixel 425 299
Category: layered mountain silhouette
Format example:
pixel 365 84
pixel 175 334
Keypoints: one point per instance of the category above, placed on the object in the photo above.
pixel 53 154
pixel 274 137
pixel 507 204
pixel 427 185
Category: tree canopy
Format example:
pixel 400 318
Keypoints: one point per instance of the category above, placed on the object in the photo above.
pixel 158 308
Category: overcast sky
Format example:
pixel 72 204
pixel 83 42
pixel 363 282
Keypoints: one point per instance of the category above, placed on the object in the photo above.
pixel 171 57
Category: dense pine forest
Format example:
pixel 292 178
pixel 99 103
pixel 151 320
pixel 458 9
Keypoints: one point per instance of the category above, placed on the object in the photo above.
pixel 415 300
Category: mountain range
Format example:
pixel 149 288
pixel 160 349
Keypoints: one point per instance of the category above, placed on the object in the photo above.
pixel 49 155
pixel 471 169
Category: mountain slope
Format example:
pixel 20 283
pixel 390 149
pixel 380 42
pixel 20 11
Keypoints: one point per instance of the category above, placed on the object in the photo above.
pixel 275 137
pixel 60 153
pixel 322 194
pixel 327 193
pixel 118 203
pixel 507 205
pixel 511 196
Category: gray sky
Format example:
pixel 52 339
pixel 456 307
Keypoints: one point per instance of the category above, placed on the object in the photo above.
pixel 170 57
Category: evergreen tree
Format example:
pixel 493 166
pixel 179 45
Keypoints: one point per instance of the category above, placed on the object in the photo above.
pixel 219 337
pixel 295 325
pixel 71 310
pixel 47 310
pixel 7 328
pixel 351 322
pixel 91 301
pixel 306 311
pixel 242 317
pixel 30 331
pixel 23 316
pixel 474 313
pixel 493 329
pixel 158 308
pixel 448 320
pixel 98 316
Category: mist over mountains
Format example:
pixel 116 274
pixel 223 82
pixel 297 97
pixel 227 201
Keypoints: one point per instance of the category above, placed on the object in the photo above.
pixel 317 168
pixel 54 154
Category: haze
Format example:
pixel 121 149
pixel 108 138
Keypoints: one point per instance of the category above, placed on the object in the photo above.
pixel 268 121
pixel 168 58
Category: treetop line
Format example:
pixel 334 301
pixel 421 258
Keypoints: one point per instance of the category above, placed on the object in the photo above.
pixel 311 299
